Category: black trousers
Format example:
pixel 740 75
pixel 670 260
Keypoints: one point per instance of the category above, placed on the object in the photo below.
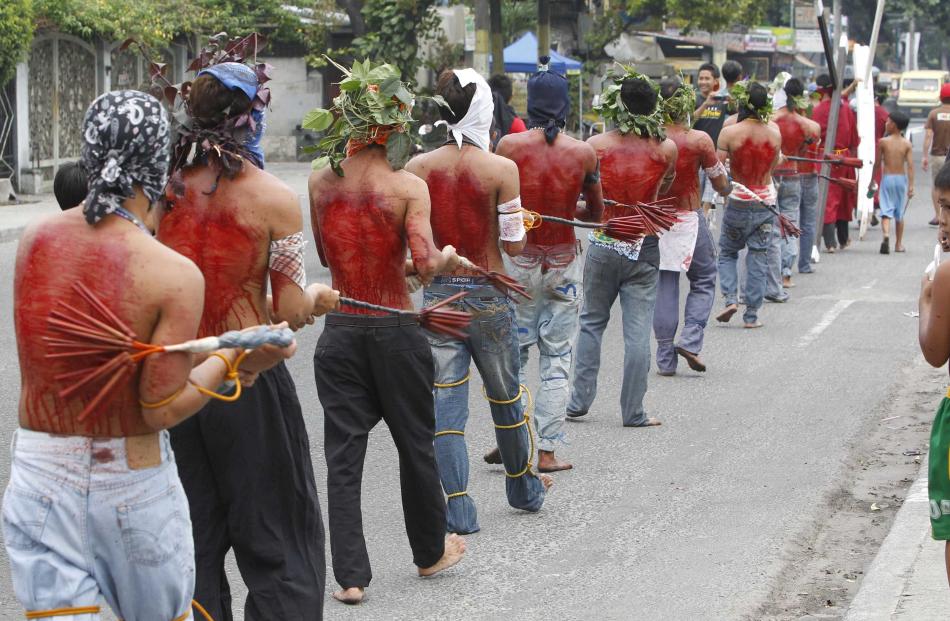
pixel 370 369
pixel 247 472
pixel 839 228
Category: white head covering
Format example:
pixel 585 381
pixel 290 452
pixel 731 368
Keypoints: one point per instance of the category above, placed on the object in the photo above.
pixel 476 124
pixel 779 97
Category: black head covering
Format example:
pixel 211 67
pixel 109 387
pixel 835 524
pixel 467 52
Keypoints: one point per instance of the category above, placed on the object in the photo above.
pixel 125 143
pixel 548 102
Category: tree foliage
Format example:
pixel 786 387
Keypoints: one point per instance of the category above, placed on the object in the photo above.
pixel 394 30
pixel 16 32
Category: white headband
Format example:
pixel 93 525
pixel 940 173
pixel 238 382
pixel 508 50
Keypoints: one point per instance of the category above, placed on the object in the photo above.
pixel 476 124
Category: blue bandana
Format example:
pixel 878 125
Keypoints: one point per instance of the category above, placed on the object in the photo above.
pixel 548 102
pixel 240 76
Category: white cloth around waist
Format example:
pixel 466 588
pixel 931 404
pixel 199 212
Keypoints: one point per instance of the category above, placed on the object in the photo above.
pixel 677 244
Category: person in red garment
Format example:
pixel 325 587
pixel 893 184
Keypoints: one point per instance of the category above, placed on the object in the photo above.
pixel 841 202
pixel 246 465
pixel 688 246
pixel 370 366
pixel 554 169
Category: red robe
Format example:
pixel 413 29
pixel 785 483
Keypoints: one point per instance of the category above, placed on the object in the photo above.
pixel 841 203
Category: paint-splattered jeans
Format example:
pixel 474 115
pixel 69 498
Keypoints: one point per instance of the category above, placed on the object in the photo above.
pixel 549 320
pixel 79 524
pixel 493 345
pixel 747 226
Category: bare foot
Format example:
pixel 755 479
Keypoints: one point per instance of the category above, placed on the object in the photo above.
pixel 727 313
pixel 787 282
pixel 547 481
pixel 350 596
pixel 753 325
pixel 454 551
pixel 650 422
pixel 692 360
pixel 493 456
pixel 547 462
pixel 900 249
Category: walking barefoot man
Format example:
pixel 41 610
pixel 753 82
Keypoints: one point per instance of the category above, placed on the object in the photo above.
pixel 688 246
pixel 476 205
pixel 637 162
pixel 246 465
pixel 753 146
pixel 372 367
pixel 94 508
pixel 553 169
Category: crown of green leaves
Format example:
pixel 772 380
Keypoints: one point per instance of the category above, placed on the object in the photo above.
pixel 802 103
pixel 373 102
pixel 612 109
pixel 740 94
pixel 678 107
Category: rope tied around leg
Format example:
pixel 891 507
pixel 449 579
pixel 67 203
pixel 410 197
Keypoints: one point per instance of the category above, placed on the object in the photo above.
pixel 467 377
pixel 525 422
pixel 62 612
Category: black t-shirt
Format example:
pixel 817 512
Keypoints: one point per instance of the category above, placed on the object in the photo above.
pixel 712 118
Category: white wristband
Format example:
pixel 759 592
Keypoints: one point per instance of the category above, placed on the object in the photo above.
pixel 512 206
pixel 716 170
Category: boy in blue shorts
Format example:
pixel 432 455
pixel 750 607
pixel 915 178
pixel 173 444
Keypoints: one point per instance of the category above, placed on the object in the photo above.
pixel 895 155
pixel 935 345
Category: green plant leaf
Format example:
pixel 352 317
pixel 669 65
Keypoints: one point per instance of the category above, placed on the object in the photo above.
pixel 317 120
pixel 320 162
pixel 398 149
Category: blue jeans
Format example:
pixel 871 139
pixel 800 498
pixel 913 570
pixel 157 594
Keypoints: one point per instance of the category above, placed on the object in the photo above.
pixel 549 320
pixel 80 524
pixel 782 252
pixel 699 302
pixel 493 345
pixel 808 212
pixel 607 275
pixel 747 226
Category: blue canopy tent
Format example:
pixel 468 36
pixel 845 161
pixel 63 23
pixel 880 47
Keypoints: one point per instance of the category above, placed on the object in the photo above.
pixel 522 57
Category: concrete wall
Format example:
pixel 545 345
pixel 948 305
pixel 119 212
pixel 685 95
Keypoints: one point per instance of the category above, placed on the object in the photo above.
pixel 295 90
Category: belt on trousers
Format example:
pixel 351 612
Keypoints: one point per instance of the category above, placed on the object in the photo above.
pixel 371 321
pixel 475 286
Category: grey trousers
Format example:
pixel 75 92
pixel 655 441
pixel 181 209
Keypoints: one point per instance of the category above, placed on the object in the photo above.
pixel 608 275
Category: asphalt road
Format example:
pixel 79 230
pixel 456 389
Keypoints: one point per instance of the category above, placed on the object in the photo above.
pixel 686 521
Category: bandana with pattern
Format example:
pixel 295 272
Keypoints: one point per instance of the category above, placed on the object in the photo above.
pixel 125 144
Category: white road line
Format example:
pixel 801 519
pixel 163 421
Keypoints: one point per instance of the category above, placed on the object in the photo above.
pixel 826 320
pixel 870 285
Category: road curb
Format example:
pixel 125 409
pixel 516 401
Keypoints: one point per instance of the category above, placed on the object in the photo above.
pixel 886 578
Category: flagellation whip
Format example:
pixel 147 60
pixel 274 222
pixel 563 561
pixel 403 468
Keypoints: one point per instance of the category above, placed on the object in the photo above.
pixel 786 227
pixel 436 318
pixel 646 219
pixel 100 332
pixel 835 160
pixel 848 184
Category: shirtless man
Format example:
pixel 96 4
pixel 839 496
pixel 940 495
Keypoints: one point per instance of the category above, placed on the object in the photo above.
pixel 753 147
pixel 895 163
pixel 635 166
pixel 553 169
pixel 476 204
pixel 688 246
pixel 798 133
pixel 246 466
pixel 371 367
pixel 94 507
pixel 934 336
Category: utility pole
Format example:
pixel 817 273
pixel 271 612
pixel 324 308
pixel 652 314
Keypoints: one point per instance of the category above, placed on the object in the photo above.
pixel 497 43
pixel 544 28
pixel 833 114
pixel 482 19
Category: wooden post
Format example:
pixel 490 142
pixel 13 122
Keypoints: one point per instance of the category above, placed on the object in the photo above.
pixel 497 43
pixel 544 28
pixel 831 133
pixel 482 19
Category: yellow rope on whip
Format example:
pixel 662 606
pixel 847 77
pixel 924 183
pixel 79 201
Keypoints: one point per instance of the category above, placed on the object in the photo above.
pixel 201 609
pixel 526 422
pixel 232 375
pixel 532 219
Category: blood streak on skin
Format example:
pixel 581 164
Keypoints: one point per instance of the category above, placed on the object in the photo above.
pixel 44 277
pixel 751 163
pixel 462 214
pixel 631 173
pixel 793 138
pixel 226 250
pixel 551 180
pixel 365 245
pixel 685 187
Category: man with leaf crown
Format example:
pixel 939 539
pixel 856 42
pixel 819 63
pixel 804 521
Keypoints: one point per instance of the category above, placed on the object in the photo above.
pixel 369 366
pixel 637 163
pixel 687 247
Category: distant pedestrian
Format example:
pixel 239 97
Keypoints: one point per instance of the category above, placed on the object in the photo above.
pixel 895 156
pixel 505 119
pixel 70 185
pixel 937 142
